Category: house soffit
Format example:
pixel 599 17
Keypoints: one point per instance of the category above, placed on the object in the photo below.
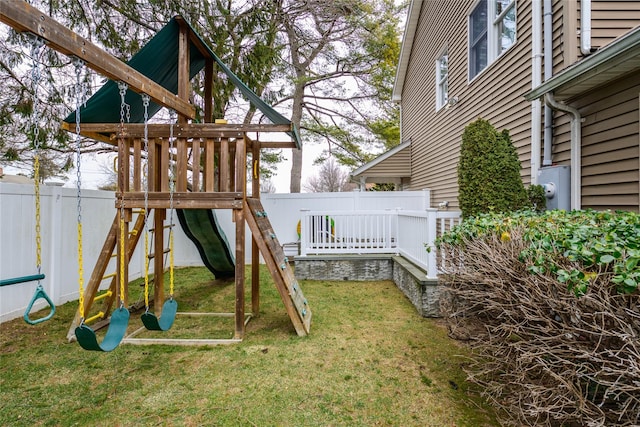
pixel 619 58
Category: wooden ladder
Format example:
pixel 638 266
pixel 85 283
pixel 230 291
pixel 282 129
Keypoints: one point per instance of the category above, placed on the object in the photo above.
pixel 278 264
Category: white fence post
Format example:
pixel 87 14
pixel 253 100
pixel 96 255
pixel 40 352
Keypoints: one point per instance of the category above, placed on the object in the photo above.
pixel 430 247
pixel 304 231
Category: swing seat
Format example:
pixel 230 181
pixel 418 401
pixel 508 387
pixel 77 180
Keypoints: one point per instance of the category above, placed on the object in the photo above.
pixel 117 328
pixel 39 294
pixel 169 310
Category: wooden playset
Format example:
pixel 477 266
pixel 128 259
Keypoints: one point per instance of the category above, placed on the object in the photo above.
pixel 189 167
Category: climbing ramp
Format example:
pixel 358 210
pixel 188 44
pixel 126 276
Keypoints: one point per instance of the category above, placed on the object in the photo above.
pixel 282 273
pixel 202 228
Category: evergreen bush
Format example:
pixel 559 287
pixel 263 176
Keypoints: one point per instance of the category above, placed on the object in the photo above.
pixel 537 198
pixel 489 171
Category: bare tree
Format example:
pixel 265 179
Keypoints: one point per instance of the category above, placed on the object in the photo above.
pixel 331 179
pixel 341 59
pixel 267 186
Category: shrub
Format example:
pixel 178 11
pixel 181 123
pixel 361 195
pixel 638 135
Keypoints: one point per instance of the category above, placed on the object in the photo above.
pixel 489 171
pixel 551 303
pixel 537 197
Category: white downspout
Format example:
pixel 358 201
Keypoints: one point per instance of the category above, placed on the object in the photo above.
pixel 536 80
pixel 576 153
pixel 548 73
pixel 585 27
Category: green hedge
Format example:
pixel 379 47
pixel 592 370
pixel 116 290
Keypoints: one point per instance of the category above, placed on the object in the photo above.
pixel 595 243
pixel 551 305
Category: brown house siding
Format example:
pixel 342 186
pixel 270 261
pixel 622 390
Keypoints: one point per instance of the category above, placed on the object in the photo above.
pixel 611 19
pixel 611 146
pixel 496 94
pixel 390 167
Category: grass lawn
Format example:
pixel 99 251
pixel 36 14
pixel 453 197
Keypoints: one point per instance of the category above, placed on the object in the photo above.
pixel 370 360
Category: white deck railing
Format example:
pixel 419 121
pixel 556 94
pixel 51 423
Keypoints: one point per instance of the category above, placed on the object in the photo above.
pixel 408 233
pixel 348 232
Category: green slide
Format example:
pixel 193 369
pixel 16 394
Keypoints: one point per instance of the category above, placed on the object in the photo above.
pixel 202 228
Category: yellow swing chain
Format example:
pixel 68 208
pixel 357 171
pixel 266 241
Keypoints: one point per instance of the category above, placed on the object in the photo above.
pixel 172 116
pixel 145 103
pixel 124 109
pixel 80 92
pixel 36 48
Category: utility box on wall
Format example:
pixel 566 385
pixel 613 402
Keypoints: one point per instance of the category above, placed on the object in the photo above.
pixel 556 181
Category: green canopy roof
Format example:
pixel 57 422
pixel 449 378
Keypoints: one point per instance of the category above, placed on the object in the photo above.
pixel 158 60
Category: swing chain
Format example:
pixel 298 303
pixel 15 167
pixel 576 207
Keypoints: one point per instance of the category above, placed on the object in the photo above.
pixel 145 104
pixel 172 117
pixel 124 113
pixel 36 47
pixel 80 94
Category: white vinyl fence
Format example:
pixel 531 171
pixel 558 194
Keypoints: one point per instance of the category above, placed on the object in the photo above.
pixel 350 233
pixel 58 225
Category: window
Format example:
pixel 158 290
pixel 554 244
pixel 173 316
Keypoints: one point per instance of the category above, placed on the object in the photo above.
pixel 489 38
pixel 442 80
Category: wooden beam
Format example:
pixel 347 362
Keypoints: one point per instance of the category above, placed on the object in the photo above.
pixel 181 200
pixel 180 130
pixel 277 144
pixel 183 66
pixel 23 17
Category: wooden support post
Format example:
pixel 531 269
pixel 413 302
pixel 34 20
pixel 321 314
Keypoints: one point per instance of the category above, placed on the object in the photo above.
pixel 163 156
pixel 218 173
pixel 183 93
pixel 239 317
pixel 195 165
pixel 181 165
pixel 152 166
pixel 255 252
pixel 209 165
pixel 122 263
pixel 240 166
pixel 160 178
pixel 240 186
pixel 158 260
pixel 232 166
pixel 224 165
pixel 123 165
pixel 137 164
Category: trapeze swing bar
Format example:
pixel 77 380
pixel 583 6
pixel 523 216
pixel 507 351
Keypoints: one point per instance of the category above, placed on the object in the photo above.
pixel 39 294
pixel 22 279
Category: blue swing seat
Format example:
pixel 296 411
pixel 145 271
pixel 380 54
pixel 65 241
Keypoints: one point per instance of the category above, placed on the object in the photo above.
pixel 169 310
pixel 117 329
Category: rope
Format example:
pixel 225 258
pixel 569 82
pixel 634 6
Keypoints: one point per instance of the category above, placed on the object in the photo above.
pixel 145 103
pixel 79 100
